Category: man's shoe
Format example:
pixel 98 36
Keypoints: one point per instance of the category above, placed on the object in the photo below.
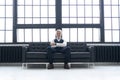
pixel 50 66
pixel 66 66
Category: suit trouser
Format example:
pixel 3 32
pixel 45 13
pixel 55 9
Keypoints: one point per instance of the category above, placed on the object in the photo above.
pixel 64 50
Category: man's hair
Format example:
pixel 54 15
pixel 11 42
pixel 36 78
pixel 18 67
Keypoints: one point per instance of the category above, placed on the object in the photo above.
pixel 58 29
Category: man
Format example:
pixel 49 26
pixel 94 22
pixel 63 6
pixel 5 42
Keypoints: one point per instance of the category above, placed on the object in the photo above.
pixel 58 45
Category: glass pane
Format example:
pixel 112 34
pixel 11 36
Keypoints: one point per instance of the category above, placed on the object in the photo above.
pixel 108 38
pixel 73 1
pixel 116 36
pixel 2 2
pixel 81 35
pixel 2 23
pixel 44 2
pixel 88 11
pixel 96 11
pixel 20 35
pixel 9 2
pixel 66 35
pixel 28 35
pixel 36 35
pixel 36 11
pixel 73 20
pixel 36 20
pixel 2 11
pixel 28 2
pixel 73 34
pixel 44 11
pixel 20 2
pixel 65 20
pixel 65 1
pixel 96 35
pixel 65 11
pixel 51 2
pixel 88 20
pixel 44 35
pixel 28 20
pixel 115 23
pixel 51 20
pixel 44 20
pixel 107 2
pixel 51 11
pixel 89 35
pixel 107 23
pixel 73 11
pixel 96 20
pixel 9 11
pixel 52 33
pixel 96 2
pixel 36 2
pixel 81 11
pixel 80 1
pixel 115 11
pixel 20 11
pixel 9 36
pixel 115 2
pixel 88 1
pixel 107 11
pixel 20 20
pixel 28 11
pixel 2 35
pixel 9 24
pixel 81 20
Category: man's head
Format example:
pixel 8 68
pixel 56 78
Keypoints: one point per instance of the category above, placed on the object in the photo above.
pixel 59 33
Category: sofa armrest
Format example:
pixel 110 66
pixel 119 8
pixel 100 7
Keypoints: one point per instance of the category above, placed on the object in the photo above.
pixel 24 50
pixel 91 50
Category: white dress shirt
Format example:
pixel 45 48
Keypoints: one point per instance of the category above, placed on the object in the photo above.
pixel 60 44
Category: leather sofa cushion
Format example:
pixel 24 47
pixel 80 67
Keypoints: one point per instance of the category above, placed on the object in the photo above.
pixel 57 55
pixel 80 55
pixel 77 46
pixel 38 47
pixel 80 60
pixel 36 55
pixel 42 55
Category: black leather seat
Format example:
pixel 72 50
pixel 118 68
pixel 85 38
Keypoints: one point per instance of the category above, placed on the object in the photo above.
pixel 80 52
pixel 36 52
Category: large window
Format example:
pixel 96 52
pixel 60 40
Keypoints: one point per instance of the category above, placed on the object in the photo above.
pixel 35 35
pixel 80 20
pixel 36 12
pixel 6 21
pixel 69 35
pixel 80 12
pixel 112 20
pixel 44 12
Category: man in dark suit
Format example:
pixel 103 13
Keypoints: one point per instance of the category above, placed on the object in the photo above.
pixel 58 45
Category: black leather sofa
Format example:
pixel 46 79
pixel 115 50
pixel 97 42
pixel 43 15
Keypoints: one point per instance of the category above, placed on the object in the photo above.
pixel 36 52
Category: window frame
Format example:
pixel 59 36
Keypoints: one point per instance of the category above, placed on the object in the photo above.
pixel 58 23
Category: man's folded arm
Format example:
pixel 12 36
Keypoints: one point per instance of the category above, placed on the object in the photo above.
pixel 62 44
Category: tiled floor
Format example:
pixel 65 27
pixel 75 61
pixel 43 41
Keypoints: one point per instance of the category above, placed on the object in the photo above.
pixel 95 73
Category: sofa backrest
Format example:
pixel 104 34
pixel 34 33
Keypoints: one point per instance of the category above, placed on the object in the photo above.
pixel 38 46
pixel 77 46
pixel 42 46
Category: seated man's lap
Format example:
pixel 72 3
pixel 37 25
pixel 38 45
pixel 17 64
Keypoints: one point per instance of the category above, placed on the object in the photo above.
pixel 59 49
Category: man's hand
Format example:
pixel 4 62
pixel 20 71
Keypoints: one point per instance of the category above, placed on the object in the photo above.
pixel 52 44
pixel 60 45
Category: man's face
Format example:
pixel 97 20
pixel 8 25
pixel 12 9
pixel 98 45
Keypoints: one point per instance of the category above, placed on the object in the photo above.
pixel 58 34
